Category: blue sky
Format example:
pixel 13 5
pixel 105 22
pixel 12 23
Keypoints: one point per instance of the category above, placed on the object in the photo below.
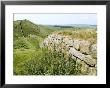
pixel 58 19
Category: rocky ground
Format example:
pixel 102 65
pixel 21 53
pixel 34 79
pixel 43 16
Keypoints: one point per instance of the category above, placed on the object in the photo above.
pixel 82 51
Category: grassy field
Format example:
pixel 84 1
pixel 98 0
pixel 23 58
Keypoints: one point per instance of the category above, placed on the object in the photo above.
pixel 31 59
pixel 83 34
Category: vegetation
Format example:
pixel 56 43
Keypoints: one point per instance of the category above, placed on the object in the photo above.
pixel 43 62
pixel 88 34
pixel 31 59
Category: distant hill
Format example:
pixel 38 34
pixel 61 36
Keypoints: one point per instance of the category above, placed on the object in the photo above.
pixel 75 26
pixel 28 35
pixel 23 28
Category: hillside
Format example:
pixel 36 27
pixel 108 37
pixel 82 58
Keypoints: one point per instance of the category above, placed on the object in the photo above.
pixel 28 35
pixel 24 28
pixel 48 50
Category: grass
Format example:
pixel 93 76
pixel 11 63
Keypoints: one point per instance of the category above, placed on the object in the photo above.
pixel 43 62
pixel 83 34
pixel 27 42
pixel 31 59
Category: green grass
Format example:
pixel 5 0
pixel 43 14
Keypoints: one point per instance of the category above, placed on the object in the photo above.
pixel 43 62
pixel 23 28
pixel 31 59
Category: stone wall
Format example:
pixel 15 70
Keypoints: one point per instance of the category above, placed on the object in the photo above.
pixel 81 50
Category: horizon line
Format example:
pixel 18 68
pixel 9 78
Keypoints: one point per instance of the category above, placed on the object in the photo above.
pixel 55 24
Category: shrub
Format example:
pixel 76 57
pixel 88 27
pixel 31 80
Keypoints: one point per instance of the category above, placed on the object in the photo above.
pixel 50 63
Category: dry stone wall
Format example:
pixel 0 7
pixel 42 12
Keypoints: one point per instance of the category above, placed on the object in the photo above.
pixel 81 50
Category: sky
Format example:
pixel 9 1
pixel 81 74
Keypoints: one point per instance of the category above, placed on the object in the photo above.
pixel 58 19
